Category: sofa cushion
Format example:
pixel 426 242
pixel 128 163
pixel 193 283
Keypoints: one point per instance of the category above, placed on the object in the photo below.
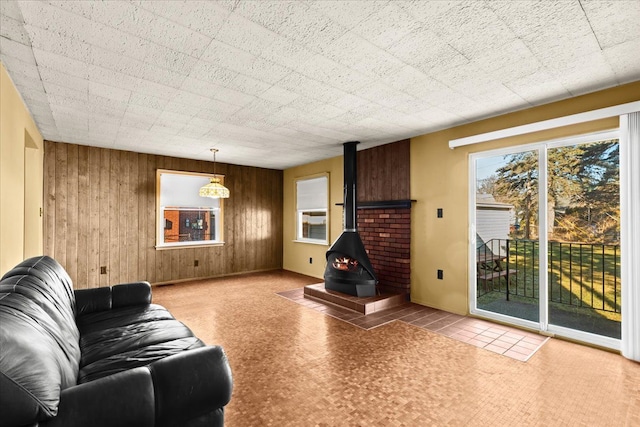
pixel 136 358
pixel 105 298
pixel 102 320
pixel 30 304
pixel 32 365
pixel 39 340
pixel 107 342
pixel 44 281
pixel 125 338
pixel 54 286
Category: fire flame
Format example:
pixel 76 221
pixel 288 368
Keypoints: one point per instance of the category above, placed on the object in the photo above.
pixel 345 264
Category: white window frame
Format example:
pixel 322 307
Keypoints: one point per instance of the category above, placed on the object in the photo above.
pixel 588 116
pixel 299 213
pixel 208 206
pixel 543 323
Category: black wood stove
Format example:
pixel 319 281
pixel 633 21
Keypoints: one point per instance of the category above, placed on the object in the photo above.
pixel 348 267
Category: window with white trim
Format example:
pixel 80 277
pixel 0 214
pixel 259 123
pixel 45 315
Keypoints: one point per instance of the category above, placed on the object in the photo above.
pixel 312 214
pixel 183 217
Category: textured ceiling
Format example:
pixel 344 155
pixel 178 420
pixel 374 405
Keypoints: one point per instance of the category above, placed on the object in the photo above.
pixel 276 83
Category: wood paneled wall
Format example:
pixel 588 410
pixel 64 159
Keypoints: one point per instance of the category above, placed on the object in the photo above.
pixel 384 172
pixel 100 210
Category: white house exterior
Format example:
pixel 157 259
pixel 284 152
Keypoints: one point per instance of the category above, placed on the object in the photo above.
pixel 493 221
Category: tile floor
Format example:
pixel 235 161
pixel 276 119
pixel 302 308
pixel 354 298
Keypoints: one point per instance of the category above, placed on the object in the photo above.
pixel 504 340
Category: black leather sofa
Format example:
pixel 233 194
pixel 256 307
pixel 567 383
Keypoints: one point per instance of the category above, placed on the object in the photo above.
pixel 101 357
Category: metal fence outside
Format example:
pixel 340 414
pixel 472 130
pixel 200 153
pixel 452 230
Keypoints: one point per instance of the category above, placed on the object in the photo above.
pixel 579 274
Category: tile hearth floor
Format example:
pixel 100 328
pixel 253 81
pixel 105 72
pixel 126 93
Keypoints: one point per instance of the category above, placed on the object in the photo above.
pixel 507 341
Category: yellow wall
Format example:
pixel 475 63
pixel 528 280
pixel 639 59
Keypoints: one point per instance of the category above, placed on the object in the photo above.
pixel 296 254
pixel 21 168
pixel 439 179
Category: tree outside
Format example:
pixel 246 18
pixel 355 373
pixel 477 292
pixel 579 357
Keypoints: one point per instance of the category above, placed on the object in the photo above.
pixel 583 231
pixel 584 192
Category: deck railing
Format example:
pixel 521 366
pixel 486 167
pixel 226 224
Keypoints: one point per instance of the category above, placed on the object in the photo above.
pixel 579 274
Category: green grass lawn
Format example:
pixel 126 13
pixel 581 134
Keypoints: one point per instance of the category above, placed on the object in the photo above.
pixel 583 278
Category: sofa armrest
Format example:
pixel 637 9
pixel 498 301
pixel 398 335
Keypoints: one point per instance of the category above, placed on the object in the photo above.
pixel 106 298
pixel 125 399
pixel 191 384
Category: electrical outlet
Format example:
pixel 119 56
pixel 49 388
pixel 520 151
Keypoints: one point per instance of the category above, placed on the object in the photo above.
pixel 195 263
pixel 103 269
pixel 440 274
pixel 310 260
pixel 439 212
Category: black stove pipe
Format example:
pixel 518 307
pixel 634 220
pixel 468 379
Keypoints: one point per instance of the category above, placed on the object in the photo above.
pixel 350 185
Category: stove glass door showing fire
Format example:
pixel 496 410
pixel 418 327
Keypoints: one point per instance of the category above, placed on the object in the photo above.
pixel 346 274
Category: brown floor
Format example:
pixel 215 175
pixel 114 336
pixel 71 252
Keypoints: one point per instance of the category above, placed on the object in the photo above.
pixel 296 366
pixel 510 342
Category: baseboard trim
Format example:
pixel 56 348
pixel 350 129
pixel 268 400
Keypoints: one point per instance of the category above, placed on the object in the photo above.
pixel 218 276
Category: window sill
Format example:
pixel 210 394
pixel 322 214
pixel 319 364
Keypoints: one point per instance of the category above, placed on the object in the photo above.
pixel 312 242
pixel 183 245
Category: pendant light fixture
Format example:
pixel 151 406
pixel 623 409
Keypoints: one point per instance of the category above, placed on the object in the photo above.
pixel 214 189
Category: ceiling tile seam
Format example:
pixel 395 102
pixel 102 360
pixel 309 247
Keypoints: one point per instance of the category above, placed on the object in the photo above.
pixel 355 23
pixel 141 6
pixel 91 46
pixel 19 12
pixel 214 39
pixel 30 45
pixel 590 25
pixel 541 66
pixel 497 17
pixel 312 49
pixel 526 43
pixel 427 75
pixel 44 87
pixel 238 72
pixel 132 35
pixel 579 90
pixel 613 71
pixel 132 92
pixel 382 80
pixel 598 41
pixel 354 93
pixel 373 73
pixel 258 93
pixel 290 39
pixel 272 85
pixel 149 39
pixel 21 24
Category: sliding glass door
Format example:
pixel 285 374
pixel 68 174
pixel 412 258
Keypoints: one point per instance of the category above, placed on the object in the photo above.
pixel 506 232
pixel 583 220
pixel 546 230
